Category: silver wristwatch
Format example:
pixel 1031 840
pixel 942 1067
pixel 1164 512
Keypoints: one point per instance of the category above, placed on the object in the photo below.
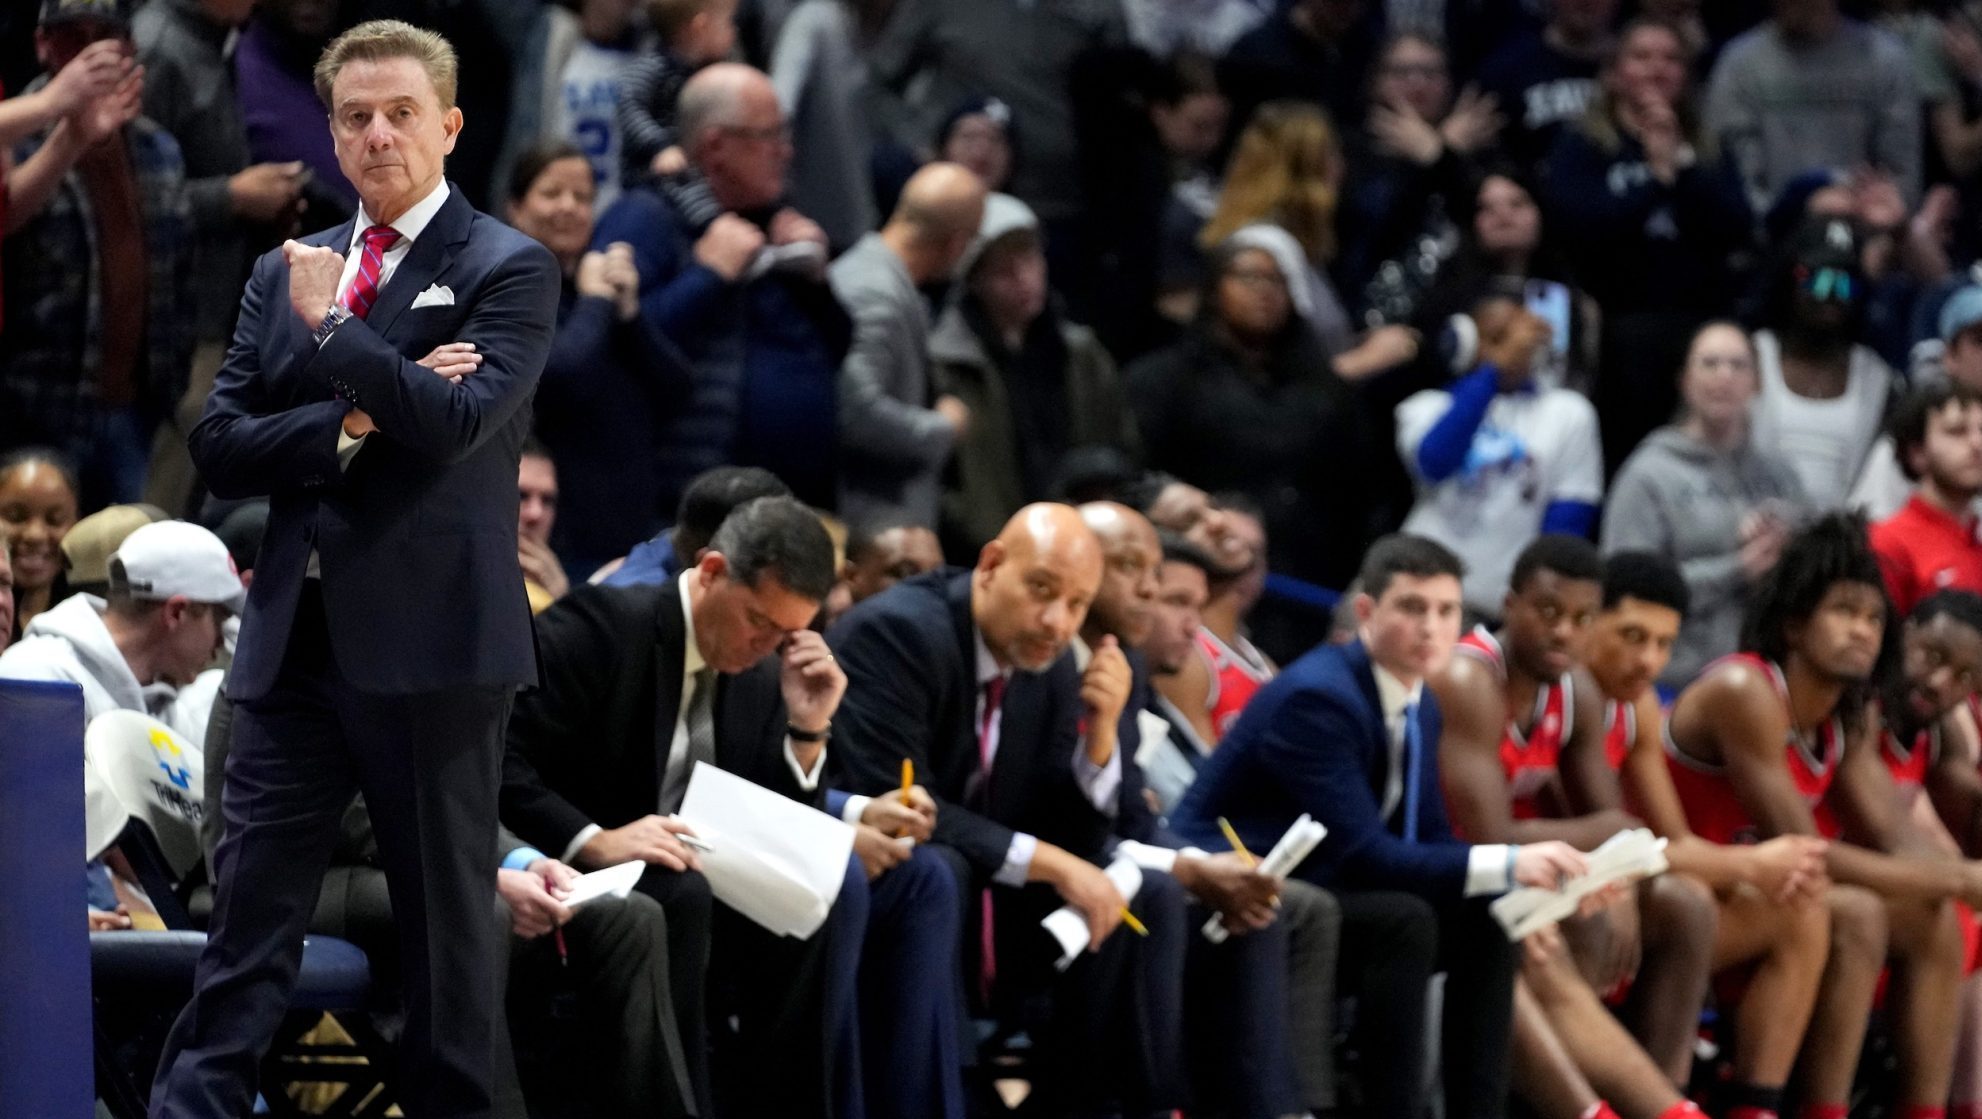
pixel 332 319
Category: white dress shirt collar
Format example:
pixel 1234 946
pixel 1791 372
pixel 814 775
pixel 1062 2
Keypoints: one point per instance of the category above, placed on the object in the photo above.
pixel 1393 694
pixel 987 665
pixel 411 223
pixel 691 653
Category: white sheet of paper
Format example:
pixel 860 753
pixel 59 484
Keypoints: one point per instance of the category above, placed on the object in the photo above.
pixel 1625 857
pixel 777 862
pixel 1070 928
pixel 615 880
pixel 1296 843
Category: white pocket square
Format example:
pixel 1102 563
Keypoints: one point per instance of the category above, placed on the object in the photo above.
pixel 438 295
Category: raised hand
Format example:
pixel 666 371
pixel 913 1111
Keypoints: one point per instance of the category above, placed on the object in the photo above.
pixel 313 274
pixel 266 192
pixel 1399 131
pixel 811 681
pixel 727 246
pixel 1473 123
pixel 95 73
pixel 98 120
pixel 1104 687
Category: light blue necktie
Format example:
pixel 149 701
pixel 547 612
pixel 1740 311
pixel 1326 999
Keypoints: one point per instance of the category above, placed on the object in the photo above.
pixel 1413 763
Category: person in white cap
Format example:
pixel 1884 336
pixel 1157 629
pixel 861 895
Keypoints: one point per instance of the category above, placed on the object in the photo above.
pixel 145 645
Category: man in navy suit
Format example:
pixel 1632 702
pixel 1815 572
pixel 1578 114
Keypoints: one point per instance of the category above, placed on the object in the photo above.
pixel 378 392
pixel 964 673
pixel 1349 735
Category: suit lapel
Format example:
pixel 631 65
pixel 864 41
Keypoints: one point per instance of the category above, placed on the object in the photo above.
pixel 336 237
pixel 956 597
pixel 1363 672
pixel 672 636
pixel 425 262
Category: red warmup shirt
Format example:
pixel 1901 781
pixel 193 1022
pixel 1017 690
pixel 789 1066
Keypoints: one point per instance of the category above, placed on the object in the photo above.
pixel 1923 549
pixel 1620 732
pixel 1713 810
pixel 1530 758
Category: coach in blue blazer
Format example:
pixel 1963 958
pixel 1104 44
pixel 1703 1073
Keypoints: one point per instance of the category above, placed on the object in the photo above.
pixel 387 628
pixel 1348 735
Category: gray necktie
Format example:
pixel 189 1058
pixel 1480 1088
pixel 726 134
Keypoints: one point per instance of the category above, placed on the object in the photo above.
pixel 701 738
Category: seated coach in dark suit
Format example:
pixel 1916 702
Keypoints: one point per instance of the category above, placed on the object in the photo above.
pixel 964 673
pixel 717 666
pixel 377 391
pixel 1348 735
pixel 1246 1002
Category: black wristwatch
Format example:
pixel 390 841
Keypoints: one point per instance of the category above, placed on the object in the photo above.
pixel 820 735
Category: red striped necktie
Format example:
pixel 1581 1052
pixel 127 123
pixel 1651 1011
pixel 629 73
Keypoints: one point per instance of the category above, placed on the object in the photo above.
pixel 987 944
pixel 364 289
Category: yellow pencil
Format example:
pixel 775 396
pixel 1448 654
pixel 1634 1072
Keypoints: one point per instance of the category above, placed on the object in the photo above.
pixel 1129 919
pixel 1232 837
pixel 908 778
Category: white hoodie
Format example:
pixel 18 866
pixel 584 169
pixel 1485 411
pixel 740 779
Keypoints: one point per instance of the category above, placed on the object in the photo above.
pixel 68 643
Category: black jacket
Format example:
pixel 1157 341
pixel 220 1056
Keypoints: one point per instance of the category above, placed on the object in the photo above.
pixel 1287 436
pixel 417 537
pixel 590 745
pixel 910 658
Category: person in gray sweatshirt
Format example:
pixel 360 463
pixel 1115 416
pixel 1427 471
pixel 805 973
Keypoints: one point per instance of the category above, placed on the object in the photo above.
pixel 1701 494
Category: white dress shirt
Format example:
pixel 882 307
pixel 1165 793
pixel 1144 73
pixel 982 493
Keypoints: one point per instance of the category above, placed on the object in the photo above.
pixel 410 225
pixel 1489 866
pixel 678 760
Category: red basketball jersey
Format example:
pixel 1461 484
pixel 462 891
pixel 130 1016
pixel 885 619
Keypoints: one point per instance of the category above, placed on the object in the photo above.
pixel 1237 674
pixel 1528 758
pixel 1712 809
pixel 1908 764
pixel 1620 732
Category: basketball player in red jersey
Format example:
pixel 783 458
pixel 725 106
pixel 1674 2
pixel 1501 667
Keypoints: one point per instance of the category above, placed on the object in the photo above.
pixel 1926 741
pixel 1770 896
pixel 1214 684
pixel 1523 761
pixel 1767 738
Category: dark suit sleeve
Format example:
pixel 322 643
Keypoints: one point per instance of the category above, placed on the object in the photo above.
pixel 245 445
pixel 511 326
pixel 889 714
pixel 553 736
pixel 506 842
pixel 1133 817
pixel 1310 747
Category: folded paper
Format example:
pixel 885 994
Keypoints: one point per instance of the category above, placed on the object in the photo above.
pixel 774 860
pixel 1296 844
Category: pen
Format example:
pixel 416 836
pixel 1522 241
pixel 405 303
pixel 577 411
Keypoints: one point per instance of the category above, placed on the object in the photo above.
pixel 1129 919
pixel 1232 837
pixel 563 955
pixel 693 842
pixel 908 778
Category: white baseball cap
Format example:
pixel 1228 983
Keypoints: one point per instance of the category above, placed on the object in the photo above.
pixel 172 558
